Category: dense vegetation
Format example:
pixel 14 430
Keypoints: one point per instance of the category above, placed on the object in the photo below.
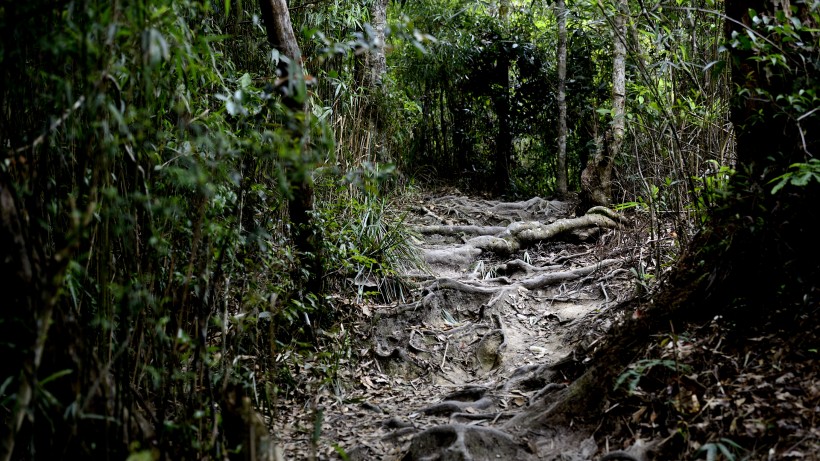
pixel 152 153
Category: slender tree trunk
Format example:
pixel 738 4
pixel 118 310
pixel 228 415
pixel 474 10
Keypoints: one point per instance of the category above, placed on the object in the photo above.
pixel 375 68
pixel 376 60
pixel 756 260
pixel 501 104
pixel 306 238
pixel 619 81
pixel 503 146
pixel 503 9
pixel 561 13
pixel 276 17
pixel 596 179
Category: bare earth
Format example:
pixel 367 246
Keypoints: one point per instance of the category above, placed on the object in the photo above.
pixel 511 289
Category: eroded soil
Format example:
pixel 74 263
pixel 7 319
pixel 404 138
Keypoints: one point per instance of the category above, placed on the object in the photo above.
pixel 439 377
pixel 516 295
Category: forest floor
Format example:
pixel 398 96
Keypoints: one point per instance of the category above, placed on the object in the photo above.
pixel 442 377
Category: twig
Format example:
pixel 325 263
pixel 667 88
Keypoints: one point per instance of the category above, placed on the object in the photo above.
pixel 455 330
pixel 563 259
pixel 444 356
pixel 800 128
pixel 435 216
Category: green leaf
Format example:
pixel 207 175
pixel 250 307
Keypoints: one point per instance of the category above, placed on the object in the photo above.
pixel 801 180
pixel 731 443
pixel 144 455
pixel 245 81
pixel 5 385
pixel 726 452
pixel 56 375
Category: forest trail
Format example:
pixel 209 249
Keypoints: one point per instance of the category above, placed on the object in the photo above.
pixel 506 296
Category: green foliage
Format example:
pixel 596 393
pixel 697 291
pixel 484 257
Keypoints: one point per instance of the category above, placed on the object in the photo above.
pixel 800 175
pixel 642 279
pixel 780 44
pixel 150 158
pixel 643 202
pixel 632 376
pixel 488 79
pixel 726 447
pixel 367 246
pixel 712 188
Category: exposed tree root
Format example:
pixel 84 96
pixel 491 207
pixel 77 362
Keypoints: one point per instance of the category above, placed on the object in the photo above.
pixel 532 283
pixel 455 230
pixel 526 378
pixel 507 240
pixel 399 433
pixel 518 265
pixel 584 398
pixel 545 391
pixel 460 334
pixel 448 407
pixel 459 417
pixel 609 213
pixel 467 394
pixel 532 232
pixel 556 277
pixel 458 442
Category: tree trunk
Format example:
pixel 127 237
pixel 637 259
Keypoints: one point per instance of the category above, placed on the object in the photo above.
pixel 755 263
pixel 596 179
pixel 376 61
pixel 375 68
pixel 276 17
pixel 618 82
pixel 501 105
pixel 561 14
pixel 503 141
pixel 504 9
pixel 306 238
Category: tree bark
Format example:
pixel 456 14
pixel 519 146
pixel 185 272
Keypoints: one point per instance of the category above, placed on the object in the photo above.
pixel 596 179
pixel 376 60
pixel 561 179
pixel 375 66
pixel 501 103
pixel 306 238
pixel 504 9
pixel 618 82
pixel 279 28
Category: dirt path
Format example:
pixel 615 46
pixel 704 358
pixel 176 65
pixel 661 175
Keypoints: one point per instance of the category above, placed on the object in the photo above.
pixel 512 289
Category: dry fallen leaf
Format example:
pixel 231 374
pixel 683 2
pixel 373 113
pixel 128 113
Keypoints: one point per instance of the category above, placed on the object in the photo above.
pixel 636 417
